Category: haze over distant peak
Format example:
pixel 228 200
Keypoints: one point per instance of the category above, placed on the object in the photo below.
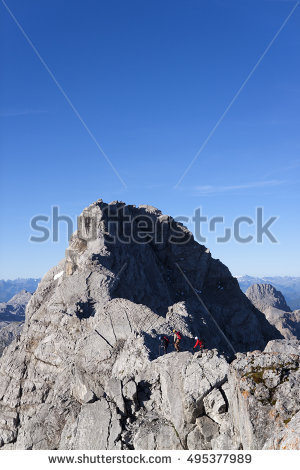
pixel 289 286
pixel 10 287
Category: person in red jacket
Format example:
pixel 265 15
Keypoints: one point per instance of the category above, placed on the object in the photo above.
pixel 199 343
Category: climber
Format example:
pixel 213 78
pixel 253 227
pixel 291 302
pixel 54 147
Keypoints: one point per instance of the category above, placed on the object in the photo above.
pixel 199 343
pixel 177 339
pixel 164 343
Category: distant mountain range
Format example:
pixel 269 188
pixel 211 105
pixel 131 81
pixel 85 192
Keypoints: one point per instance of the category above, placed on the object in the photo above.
pixel 288 285
pixel 10 288
pixel 14 309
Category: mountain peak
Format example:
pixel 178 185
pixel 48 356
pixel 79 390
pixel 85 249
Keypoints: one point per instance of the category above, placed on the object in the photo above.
pixel 265 295
pixel 91 347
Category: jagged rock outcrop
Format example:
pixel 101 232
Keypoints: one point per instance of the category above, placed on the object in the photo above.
pixel 86 373
pixel 272 303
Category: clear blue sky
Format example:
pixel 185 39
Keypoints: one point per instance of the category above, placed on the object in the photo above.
pixel 151 79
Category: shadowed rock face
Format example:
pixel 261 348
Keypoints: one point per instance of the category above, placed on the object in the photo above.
pixel 8 332
pixel 87 374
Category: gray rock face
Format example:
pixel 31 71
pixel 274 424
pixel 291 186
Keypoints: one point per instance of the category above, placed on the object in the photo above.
pixel 284 346
pixel 215 404
pixel 264 397
pixel 288 438
pixel 265 295
pixel 272 303
pixel 287 323
pixel 87 371
pixel 8 332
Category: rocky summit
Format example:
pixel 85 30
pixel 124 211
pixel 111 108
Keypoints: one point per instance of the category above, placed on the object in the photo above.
pixel 88 371
pixel 264 296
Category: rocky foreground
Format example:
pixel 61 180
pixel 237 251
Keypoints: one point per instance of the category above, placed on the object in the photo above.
pixel 87 374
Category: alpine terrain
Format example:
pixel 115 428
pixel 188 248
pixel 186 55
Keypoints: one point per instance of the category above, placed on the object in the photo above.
pixel 273 304
pixel 88 372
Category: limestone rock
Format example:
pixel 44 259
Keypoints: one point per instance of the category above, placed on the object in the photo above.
pixel 272 303
pixel 283 346
pixel 215 405
pixel 97 427
pixel 288 438
pixel 265 295
pixel 8 332
pixel 207 427
pixel 88 373
pixel 264 396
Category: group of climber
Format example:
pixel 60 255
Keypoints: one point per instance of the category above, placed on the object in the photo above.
pixel 164 342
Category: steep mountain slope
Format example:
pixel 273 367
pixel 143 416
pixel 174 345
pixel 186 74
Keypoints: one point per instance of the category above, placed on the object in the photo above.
pixel 86 372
